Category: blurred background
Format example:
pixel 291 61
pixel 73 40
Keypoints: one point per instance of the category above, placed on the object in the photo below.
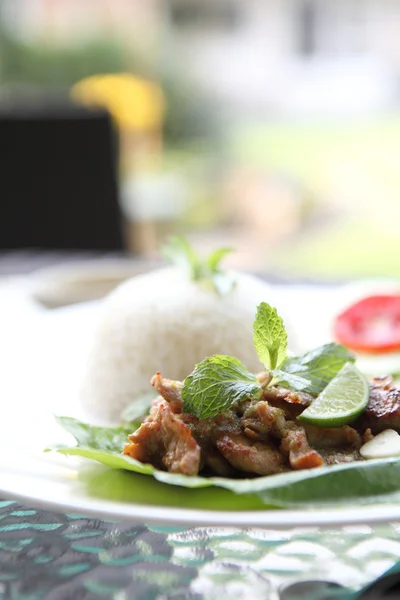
pixel 272 126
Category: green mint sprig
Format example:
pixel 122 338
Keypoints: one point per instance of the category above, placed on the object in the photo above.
pixel 215 384
pixel 314 370
pixel 270 337
pixel 218 382
pixel 209 271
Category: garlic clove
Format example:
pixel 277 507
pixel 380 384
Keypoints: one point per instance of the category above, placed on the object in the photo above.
pixel 384 445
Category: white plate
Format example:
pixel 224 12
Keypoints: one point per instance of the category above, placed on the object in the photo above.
pixel 42 355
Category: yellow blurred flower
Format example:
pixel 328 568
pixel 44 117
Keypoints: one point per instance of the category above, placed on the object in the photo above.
pixel 136 104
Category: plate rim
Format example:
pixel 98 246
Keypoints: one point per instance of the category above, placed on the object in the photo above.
pixel 166 515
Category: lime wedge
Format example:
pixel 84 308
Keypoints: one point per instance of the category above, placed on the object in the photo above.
pixel 343 399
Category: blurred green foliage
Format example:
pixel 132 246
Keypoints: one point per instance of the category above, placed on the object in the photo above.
pixel 44 64
pixel 351 170
pixel 32 66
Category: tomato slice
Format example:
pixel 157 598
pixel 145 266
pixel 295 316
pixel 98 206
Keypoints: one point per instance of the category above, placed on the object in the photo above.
pixel 370 325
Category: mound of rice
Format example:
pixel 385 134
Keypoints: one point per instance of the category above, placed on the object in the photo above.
pixel 161 321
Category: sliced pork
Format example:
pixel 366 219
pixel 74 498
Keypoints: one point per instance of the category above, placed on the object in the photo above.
pixel 251 457
pixel 383 408
pixel 255 436
pixel 164 441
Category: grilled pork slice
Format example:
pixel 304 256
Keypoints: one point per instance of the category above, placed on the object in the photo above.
pixel 251 457
pixel 291 402
pixel 254 437
pixel 277 393
pixel 334 456
pixel 217 464
pixel 383 408
pixel 170 390
pixel 164 441
pixel 301 456
pixel 293 438
pixel 333 437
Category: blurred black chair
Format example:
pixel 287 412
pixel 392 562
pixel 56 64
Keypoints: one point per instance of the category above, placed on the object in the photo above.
pixel 58 179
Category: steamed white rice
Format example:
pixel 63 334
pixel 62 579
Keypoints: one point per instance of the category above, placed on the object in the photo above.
pixel 161 321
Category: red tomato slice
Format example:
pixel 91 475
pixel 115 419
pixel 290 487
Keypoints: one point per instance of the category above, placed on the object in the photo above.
pixel 370 325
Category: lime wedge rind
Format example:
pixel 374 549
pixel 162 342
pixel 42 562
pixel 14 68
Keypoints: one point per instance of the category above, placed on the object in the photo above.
pixel 341 402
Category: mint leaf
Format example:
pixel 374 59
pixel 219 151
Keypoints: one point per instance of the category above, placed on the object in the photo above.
pixel 180 252
pixel 214 259
pixel 222 281
pixel 183 255
pixel 290 381
pixel 270 337
pixel 313 371
pixel 216 384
